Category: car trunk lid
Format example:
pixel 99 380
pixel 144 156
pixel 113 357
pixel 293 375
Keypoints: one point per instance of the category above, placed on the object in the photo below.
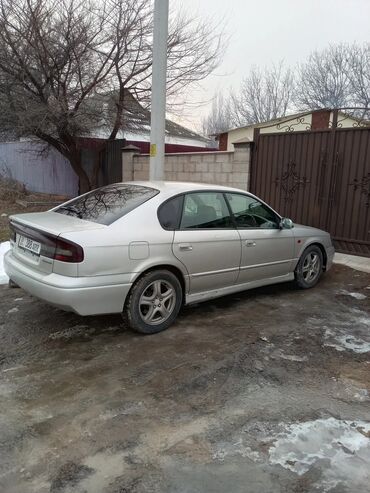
pixel 35 238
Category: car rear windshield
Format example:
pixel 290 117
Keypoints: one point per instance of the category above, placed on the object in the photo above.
pixel 107 204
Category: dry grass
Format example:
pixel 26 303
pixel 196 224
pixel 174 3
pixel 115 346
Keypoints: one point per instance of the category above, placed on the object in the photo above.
pixel 10 192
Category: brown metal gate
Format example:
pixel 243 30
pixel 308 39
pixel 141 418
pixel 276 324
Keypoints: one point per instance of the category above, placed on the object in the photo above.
pixel 319 178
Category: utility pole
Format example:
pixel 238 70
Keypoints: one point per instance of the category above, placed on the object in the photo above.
pixel 158 104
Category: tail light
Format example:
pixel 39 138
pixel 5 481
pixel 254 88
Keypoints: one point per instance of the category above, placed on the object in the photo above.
pixel 52 246
pixel 67 251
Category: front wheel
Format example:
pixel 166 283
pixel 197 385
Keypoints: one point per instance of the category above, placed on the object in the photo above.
pixel 309 268
pixel 154 302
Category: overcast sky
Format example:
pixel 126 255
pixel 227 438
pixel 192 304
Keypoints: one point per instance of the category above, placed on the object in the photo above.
pixel 266 31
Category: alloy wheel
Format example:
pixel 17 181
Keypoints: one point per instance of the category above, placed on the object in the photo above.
pixel 311 267
pixel 157 302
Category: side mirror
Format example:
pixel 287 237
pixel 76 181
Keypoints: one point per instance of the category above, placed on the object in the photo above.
pixel 286 223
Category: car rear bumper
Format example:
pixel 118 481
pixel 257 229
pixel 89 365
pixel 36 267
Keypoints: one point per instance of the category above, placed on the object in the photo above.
pixel 76 294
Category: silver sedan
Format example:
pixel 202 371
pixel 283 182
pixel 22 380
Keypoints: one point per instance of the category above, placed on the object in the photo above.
pixel 146 248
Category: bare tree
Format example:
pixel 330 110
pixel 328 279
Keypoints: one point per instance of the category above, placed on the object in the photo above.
pixel 68 67
pixel 324 81
pixel 359 77
pixel 264 95
pixel 219 118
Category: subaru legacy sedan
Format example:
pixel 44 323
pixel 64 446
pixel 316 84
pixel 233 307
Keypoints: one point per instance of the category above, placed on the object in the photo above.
pixel 144 249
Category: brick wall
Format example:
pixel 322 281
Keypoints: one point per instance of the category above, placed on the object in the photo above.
pixel 220 168
pixel 320 119
pixel 222 141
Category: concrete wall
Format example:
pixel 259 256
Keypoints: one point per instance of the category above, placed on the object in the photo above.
pixel 220 168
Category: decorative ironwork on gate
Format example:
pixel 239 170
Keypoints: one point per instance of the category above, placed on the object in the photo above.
pixel 291 125
pixel 363 186
pixel 290 181
pixel 348 117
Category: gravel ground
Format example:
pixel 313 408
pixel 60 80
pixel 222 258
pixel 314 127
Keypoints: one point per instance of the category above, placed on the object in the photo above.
pixel 264 391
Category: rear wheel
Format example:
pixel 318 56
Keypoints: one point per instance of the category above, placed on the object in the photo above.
pixel 154 302
pixel 309 268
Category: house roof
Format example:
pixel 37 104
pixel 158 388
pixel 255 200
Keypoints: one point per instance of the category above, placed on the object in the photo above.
pixel 136 118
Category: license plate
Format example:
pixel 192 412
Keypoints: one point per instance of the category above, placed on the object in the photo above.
pixel 30 245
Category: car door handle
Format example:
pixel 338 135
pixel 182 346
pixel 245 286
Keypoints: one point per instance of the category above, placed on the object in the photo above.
pixel 185 247
pixel 250 243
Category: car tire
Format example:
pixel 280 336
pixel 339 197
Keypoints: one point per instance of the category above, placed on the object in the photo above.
pixel 309 267
pixel 154 302
pixel 12 284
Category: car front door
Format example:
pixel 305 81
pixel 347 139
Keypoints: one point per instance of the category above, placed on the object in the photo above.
pixel 207 242
pixel 267 250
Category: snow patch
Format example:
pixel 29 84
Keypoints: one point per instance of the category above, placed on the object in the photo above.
pixel 13 310
pixel 235 449
pixel 344 445
pixel 290 357
pixel 361 395
pixel 70 332
pixel 357 296
pixel 342 341
pixel 4 247
pixel 130 409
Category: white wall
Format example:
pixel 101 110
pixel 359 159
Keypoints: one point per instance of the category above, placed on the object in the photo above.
pixel 298 124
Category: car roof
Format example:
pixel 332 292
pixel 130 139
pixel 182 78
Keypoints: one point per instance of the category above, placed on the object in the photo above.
pixel 170 188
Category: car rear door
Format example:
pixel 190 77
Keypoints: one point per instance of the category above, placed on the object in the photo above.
pixel 207 242
pixel 267 251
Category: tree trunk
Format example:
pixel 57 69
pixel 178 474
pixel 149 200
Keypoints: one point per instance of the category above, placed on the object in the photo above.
pixel 96 168
pixel 84 181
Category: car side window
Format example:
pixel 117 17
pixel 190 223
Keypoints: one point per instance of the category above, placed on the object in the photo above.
pixel 169 213
pixel 205 210
pixel 251 213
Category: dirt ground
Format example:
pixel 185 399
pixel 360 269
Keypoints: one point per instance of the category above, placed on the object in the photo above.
pixel 265 391
pixel 9 205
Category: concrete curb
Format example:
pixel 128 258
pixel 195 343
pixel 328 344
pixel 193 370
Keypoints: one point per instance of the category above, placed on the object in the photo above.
pixel 358 263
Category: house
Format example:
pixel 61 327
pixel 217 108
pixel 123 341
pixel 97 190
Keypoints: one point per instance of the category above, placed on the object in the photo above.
pixel 303 121
pixel 135 127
